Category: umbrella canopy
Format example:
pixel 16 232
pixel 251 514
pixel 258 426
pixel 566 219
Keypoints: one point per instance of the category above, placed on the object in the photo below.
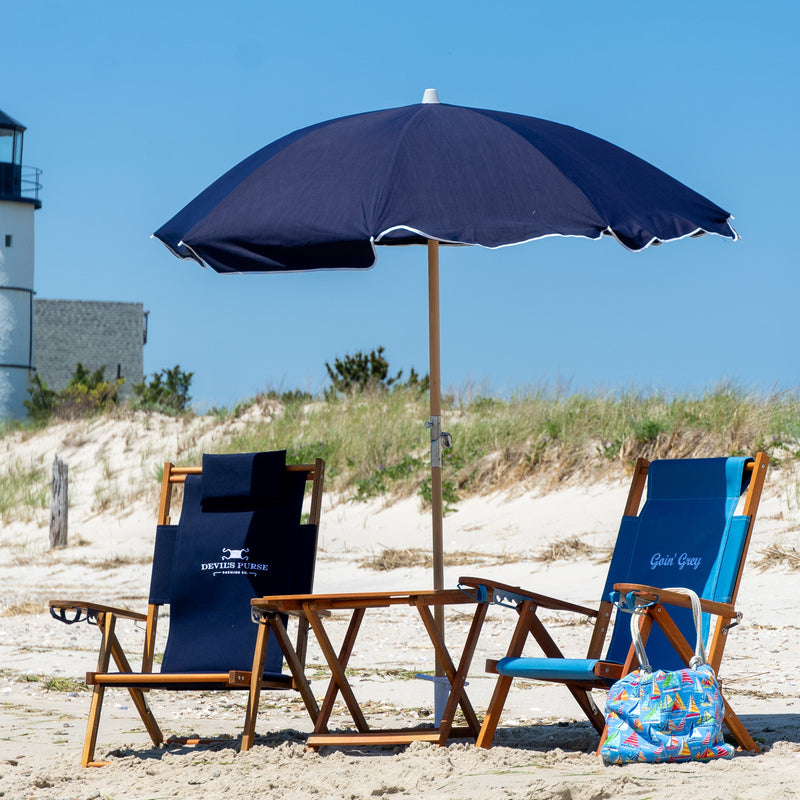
pixel 430 173
pixel 322 197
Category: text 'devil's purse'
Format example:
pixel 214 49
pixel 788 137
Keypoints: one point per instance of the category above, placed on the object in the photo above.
pixel 658 716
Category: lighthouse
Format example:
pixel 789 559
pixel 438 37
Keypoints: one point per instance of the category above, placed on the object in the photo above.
pixel 19 199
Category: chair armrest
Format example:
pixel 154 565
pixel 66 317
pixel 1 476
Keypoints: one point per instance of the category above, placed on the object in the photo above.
pixel 490 591
pixel 88 611
pixel 658 595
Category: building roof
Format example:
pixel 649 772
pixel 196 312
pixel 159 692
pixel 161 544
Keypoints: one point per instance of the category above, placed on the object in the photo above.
pixel 10 122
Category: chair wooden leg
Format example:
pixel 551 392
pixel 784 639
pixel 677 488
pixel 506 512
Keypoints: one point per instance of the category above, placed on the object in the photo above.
pixel 493 712
pixel 583 697
pixel 738 730
pixel 137 695
pixel 254 695
pixel 678 641
pixel 90 741
pixel 106 623
pixel 527 613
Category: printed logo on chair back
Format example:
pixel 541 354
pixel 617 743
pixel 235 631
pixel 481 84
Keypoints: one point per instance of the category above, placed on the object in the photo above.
pixel 234 555
pixel 680 560
pixel 234 562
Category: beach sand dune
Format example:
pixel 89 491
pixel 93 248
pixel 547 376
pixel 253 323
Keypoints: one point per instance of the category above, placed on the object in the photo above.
pixel 543 749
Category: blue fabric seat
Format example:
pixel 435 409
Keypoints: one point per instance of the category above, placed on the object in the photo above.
pixel 240 535
pixel 687 534
pixel 548 669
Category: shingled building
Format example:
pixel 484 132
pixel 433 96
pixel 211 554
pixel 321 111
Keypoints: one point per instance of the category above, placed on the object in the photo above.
pixel 96 334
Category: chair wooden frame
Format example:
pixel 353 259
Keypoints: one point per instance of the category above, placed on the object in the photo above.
pixel 137 684
pixel 528 604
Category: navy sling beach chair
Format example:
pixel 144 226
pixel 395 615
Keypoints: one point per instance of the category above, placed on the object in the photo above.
pixel 240 535
pixel 687 534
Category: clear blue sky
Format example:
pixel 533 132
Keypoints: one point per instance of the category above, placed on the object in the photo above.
pixel 132 109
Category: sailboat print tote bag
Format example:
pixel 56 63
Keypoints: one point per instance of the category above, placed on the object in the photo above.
pixel 658 716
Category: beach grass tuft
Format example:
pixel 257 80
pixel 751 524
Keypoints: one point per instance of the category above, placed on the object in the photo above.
pixel 778 556
pixel 564 550
pixel 24 489
pixel 23 608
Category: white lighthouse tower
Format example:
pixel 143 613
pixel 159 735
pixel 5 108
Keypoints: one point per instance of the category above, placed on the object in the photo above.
pixel 19 198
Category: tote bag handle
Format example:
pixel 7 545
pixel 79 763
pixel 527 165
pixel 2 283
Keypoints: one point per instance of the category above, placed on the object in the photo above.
pixel 699 650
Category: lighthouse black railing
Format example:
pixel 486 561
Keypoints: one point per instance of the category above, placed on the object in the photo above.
pixel 20 182
pixel 30 182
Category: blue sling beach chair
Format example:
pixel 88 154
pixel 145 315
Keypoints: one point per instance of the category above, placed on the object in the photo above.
pixel 239 536
pixel 687 534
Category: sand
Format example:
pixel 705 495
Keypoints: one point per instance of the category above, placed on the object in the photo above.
pixel 543 748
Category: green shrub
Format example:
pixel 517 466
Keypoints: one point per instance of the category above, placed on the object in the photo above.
pixel 355 373
pixel 168 391
pixel 42 400
pixel 86 394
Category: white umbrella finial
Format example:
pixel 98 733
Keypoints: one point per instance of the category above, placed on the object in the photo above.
pixel 430 96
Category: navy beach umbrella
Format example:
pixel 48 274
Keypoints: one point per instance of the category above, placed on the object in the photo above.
pixel 323 197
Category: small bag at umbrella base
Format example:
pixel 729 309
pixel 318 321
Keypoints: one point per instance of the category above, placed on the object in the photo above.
pixel 658 716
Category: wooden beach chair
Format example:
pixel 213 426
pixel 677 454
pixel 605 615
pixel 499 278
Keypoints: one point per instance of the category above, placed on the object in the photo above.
pixel 687 534
pixel 240 535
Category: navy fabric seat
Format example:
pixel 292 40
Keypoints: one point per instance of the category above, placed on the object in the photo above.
pixel 240 535
pixel 232 544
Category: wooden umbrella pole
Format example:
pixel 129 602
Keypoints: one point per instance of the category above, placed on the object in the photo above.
pixel 435 423
pixel 436 411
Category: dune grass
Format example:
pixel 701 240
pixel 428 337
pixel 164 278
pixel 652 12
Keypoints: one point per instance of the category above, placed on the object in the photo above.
pixel 24 489
pixel 375 444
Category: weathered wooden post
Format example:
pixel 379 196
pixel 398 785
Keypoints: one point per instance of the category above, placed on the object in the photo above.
pixel 58 505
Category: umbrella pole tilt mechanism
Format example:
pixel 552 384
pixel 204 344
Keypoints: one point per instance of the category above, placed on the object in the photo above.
pixel 439 440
